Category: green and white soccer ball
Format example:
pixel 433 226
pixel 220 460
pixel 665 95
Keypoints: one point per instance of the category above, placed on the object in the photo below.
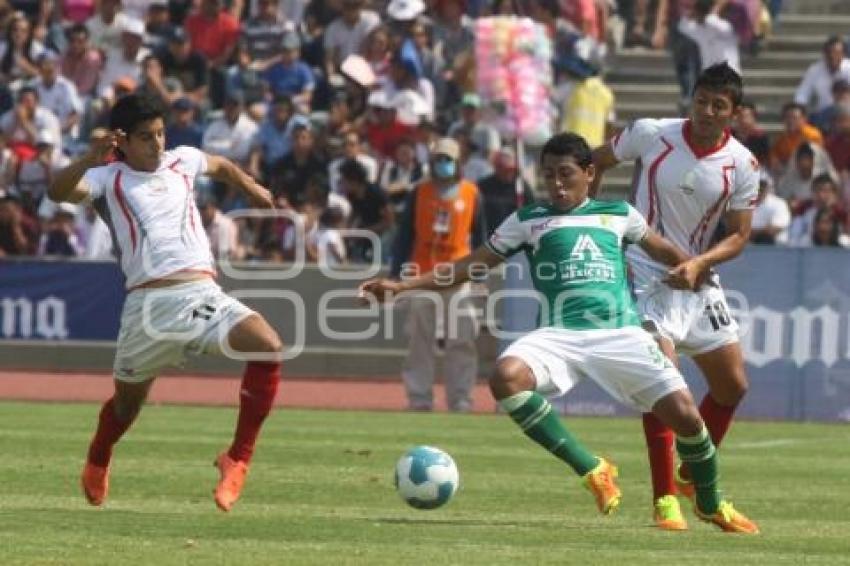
pixel 426 477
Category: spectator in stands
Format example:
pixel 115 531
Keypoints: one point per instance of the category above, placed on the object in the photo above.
pixel 499 190
pixel 105 28
pixel 291 174
pixel 155 83
pixel 24 123
pixel 213 32
pixel 8 163
pixel 244 77
pixel 589 109
pixel 183 129
pixel 838 145
pixel 370 210
pixel 158 25
pixel 187 65
pixel 32 177
pixel 19 52
pixel 221 230
pixel 345 35
pixel 771 216
pixel 289 75
pixel 823 119
pixel 81 63
pixel 274 138
pixel 18 231
pixel 713 34
pixel 406 76
pixel 470 121
pixel 474 164
pixel 231 136
pixel 809 162
pixel 325 245
pixel 684 51
pixel 262 34
pixel 376 51
pixel 400 174
pixel 128 62
pixel 60 237
pixel 383 131
pixel 58 94
pixel 796 131
pixel 825 196
pixel 352 149
pixel 443 220
pixel 816 87
pixel 828 231
pixel 750 133
pixel 403 15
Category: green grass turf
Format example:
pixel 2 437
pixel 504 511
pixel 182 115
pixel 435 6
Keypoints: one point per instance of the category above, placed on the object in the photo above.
pixel 320 492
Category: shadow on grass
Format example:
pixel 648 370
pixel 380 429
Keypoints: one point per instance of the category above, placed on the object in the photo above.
pixel 438 522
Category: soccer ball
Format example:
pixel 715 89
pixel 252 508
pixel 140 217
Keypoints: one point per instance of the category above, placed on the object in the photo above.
pixel 426 477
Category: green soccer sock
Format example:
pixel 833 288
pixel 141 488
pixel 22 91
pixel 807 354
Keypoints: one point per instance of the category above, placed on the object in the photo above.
pixel 534 415
pixel 699 453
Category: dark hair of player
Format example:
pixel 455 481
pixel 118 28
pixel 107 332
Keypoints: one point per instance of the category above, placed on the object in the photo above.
pixel 134 109
pixel 723 79
pixel 568 144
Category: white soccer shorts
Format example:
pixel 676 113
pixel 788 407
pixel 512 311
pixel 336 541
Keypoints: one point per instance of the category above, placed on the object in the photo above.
pixel 696 323
pixel 625 362
pixel 161 327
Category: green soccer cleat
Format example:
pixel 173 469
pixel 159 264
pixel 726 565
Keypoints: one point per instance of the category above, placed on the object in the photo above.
pixel 668 514
pixel 600 482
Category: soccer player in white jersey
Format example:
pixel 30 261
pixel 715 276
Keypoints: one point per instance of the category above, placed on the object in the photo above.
pixel 589 326
pixel 173 306
pixel 691 174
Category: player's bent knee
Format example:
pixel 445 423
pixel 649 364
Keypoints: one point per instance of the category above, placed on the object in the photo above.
pixel 732 391
pixel 510 377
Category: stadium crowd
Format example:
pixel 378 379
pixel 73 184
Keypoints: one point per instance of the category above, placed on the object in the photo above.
pixel 335 106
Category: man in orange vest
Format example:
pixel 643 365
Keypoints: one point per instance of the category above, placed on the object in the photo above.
pixel 443 221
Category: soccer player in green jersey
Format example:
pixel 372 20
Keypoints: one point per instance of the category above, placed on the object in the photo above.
pixel 589 326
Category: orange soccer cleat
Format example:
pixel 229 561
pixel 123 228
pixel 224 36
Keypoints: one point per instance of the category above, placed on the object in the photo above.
pixel 230 483
pixel 600 482
pixel 729 519
pixel 95 482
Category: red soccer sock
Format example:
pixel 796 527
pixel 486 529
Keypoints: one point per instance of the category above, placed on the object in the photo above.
pixel 659 444
pixel 256 397
pixel 718 419
pixel 109 430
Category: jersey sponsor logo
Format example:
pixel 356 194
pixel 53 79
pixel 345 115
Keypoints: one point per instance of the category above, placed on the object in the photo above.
pixel 587 264
pixel 539 209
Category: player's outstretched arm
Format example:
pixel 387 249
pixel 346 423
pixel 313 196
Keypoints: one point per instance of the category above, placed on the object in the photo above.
pixel 603 159
pixel 662 250
pixel 224 170
pixel 444 276
pixel 68 184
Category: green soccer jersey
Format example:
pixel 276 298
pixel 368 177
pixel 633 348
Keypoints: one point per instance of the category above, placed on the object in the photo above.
pixel 576 260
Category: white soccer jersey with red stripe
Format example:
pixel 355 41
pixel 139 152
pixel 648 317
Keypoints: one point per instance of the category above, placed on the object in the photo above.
pixel 682 191
pixel 153 217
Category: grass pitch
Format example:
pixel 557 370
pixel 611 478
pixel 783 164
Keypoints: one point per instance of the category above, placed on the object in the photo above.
pixel 320 492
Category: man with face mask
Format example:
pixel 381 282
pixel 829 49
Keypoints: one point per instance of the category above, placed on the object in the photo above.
pixel 442 221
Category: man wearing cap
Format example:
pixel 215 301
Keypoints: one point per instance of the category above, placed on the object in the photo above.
pixel 187 65
pixel 183 128
pixel 384 131
pixel 480 132
pixel 442 221
pixel 105 28
pixel 290 76
pixel 128 62
pixel 58 94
